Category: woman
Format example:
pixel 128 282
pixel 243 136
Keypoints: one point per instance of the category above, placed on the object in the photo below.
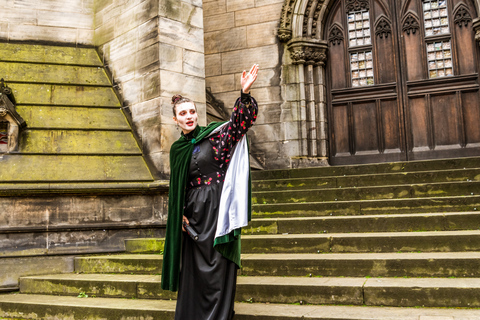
pixel 213 201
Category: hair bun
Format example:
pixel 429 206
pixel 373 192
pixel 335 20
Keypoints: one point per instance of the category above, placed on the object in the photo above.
pixel 176 98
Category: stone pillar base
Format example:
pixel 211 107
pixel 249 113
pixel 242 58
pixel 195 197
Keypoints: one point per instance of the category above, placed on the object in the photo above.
pixel 308 162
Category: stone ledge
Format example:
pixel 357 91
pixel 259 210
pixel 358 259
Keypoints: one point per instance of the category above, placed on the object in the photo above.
pixel 30 189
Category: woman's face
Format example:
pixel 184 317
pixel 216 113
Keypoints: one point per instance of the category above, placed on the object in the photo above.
pixel 186 116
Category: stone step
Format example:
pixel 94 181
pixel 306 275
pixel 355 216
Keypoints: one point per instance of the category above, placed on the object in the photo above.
pixel 58 168
pixel 368 180
pixel 432 264
pixel 18 52
pixel 369 169
pixel 78 142
pixel 28 306
pixel 433 190
pixel 79 118
pixel 369 223
pixel 122 263
pixel 64 95
pixel 368 207
pixel 430 292
pixel 52 73
pixel 142 245
pixel 429 241
pixel 437 264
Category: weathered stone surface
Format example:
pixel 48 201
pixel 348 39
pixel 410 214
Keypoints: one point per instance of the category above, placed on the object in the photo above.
pixel 262 34
pixel 133 264
pixel 181 35
pixel 215 7
pixel 194 63
pixel 58 21
pixel 223 83
pixel 220 22
pixel 213 65
pixel 235 5
pixel 225 40
pixel 12 268
pixel 151 245
pixel 239 60
pixel 266 13
pixel 188 86
pixel 73 118
pixel 171 58
pixel 78 141
pixel 59 168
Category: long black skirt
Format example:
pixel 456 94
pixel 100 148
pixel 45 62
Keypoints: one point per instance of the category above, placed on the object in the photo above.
pixel 207 279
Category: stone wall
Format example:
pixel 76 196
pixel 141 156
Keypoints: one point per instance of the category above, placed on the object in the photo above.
pixel 59 21
pixel 40 235
pixel 154 49
pixel 239 33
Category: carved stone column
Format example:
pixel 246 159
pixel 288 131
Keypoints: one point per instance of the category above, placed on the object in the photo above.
pixel 310 55
pixel 476 28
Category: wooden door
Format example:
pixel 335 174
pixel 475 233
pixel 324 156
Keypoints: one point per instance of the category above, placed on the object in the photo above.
pixel 402 80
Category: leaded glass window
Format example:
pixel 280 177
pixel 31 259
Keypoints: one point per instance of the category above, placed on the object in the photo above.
pixel 435 16
pixel 361 65
pixel 439 55
pixel 439 52
pixel 359 28
pixel 361 60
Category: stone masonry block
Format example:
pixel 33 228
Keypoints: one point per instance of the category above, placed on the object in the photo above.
pixel 213 65
pixel 228 98
pixel 258 15
pixel 178 34
pixel 146 57
pixel 266 78
pixel 262 34
pixel 235 5
pixel 223 83
pixel 267 95
pixel 85 37
pixel 237 61
pixel 269 113
pixel 19 16
pixel 122 69
pixel 151 85
pixel 225 40
pixel 194 63
pixel 104 33
pixel 42 33
pixel 270 131
pixel 147 33
pixel 260 3
pixel 146 110
pixel 189 86
pixel 220 22
pixel 215 7
pixel 181 11
pixel 60 19
pixel 171 58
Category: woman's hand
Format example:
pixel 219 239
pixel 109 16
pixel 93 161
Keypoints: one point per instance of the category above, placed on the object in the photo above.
pixel 186 221
pixel 249 79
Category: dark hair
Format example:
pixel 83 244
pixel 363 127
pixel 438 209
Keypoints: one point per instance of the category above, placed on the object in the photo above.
pixel 179 99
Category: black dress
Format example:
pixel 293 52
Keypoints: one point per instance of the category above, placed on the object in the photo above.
pixel 207 279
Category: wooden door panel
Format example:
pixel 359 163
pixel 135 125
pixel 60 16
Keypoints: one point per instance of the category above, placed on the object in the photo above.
pixel 471 116
pixel 419 123
pixel 390 128
pixel 365 127
pixel 445 120
pixel 340 131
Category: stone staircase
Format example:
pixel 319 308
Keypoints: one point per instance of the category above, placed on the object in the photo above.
pixel 381 241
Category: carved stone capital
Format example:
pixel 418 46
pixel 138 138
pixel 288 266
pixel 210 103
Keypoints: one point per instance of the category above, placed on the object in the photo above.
pixel 308 51
pixel 284 34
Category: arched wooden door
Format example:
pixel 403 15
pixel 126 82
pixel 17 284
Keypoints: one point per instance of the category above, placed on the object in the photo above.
pixel 402 80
